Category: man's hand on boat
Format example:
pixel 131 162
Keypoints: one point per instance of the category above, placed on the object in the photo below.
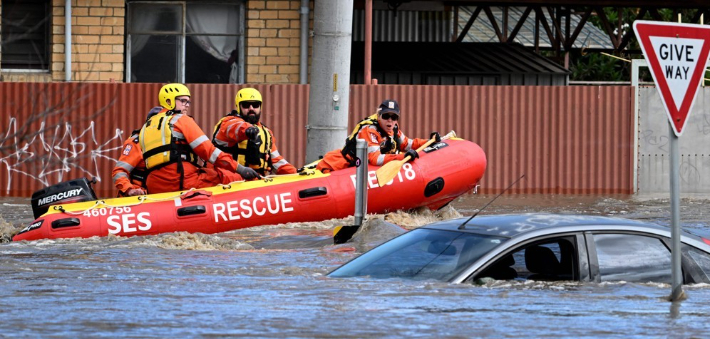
pixel 136 191
pixel 247 173
pixel 435 136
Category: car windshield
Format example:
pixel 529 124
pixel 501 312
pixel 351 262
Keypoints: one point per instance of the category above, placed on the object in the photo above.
pixel 421 254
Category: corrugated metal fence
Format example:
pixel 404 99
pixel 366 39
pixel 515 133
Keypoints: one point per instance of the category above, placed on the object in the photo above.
pixel 566 140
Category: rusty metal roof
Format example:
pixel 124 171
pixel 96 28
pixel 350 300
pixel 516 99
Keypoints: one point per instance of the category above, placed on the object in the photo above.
pixel 455 58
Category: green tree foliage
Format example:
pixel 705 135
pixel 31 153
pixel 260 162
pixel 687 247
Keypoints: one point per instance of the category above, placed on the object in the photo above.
pixel 594 66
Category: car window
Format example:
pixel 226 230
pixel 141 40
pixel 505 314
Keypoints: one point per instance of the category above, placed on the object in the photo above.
pixel 552 259
pixel 703 261
pixel 421 254
pixel 633 258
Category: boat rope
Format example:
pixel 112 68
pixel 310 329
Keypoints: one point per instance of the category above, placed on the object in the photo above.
pixel 306 172
pixel 145 198
pixel 268 178
pixel 229 185
pixel 103 204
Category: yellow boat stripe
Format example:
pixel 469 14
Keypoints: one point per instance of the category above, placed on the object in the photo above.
pixel 159 197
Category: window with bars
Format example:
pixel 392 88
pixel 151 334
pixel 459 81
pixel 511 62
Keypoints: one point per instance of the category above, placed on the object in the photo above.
pixel 25 34
pixel 185 41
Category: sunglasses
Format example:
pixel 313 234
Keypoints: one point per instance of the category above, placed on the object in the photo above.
pixel 252 104
pixel 184 101
pixel 388 116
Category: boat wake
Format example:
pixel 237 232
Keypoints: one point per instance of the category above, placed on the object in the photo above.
pixel 7 230
pixel 376 229
pixel 195 242
pixel 421 216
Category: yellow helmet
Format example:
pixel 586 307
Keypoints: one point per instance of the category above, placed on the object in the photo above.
pixel 246 94
pixel 171 91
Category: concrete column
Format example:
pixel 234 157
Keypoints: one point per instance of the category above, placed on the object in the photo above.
pixel 330 77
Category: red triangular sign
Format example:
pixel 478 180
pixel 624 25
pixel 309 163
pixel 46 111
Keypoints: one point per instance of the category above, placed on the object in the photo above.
pixel 677 55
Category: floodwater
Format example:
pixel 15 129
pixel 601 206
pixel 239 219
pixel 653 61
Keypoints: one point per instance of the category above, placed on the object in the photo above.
pixel 269 282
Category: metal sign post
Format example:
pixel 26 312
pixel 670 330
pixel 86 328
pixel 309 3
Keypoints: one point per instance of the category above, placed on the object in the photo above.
pixel 342 234
pixel 361 182
pixel 677 55
pixel 676 271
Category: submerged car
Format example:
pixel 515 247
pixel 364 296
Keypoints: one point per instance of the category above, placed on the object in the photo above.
pixel 546 247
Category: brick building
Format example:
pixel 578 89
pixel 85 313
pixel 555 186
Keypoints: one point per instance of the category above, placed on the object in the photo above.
pixel 235 41
pixel 231 41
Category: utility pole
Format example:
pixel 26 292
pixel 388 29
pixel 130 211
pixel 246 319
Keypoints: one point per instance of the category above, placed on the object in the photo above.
pixel 330 77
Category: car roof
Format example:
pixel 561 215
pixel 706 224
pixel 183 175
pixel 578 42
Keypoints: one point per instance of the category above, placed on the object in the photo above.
pixel 513 225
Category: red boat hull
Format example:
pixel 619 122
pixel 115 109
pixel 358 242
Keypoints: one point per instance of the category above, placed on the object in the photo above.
pixel 442 173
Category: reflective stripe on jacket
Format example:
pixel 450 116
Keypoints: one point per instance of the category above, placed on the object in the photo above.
pixel 130 171
pixel 187 143
pixel 229 136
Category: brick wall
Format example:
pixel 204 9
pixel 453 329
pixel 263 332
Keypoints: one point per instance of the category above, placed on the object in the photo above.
pixel 273 41
pixel 97 40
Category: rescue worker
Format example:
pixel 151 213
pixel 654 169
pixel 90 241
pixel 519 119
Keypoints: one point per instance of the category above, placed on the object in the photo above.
pixel 130 172
pixel 173 145
pixel 241 134
pixel 385 141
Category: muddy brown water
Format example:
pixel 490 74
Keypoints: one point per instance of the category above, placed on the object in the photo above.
pixel 270 282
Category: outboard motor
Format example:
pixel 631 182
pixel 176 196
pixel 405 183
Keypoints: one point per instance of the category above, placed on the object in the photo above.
pixel 76 190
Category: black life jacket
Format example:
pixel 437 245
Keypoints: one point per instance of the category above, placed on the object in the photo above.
pixel 253 153
pixel 390 145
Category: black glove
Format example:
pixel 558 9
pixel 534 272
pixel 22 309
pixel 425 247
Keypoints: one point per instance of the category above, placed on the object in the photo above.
pixel 252 132
pixel 387 147
pixel 412 154
pixel 247 173
pixel 435 135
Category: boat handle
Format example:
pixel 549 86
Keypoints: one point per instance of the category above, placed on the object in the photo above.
pixel 433 187
pixel 190 210
pixel 66 222
pixel 312 192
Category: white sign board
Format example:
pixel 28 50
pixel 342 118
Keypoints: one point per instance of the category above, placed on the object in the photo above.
pixel 677 55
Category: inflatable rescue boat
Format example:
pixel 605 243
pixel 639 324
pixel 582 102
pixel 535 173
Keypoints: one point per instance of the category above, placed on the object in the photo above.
pixel 444 171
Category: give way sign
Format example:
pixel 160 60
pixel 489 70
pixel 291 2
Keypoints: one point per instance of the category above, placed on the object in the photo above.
pixel 677 55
